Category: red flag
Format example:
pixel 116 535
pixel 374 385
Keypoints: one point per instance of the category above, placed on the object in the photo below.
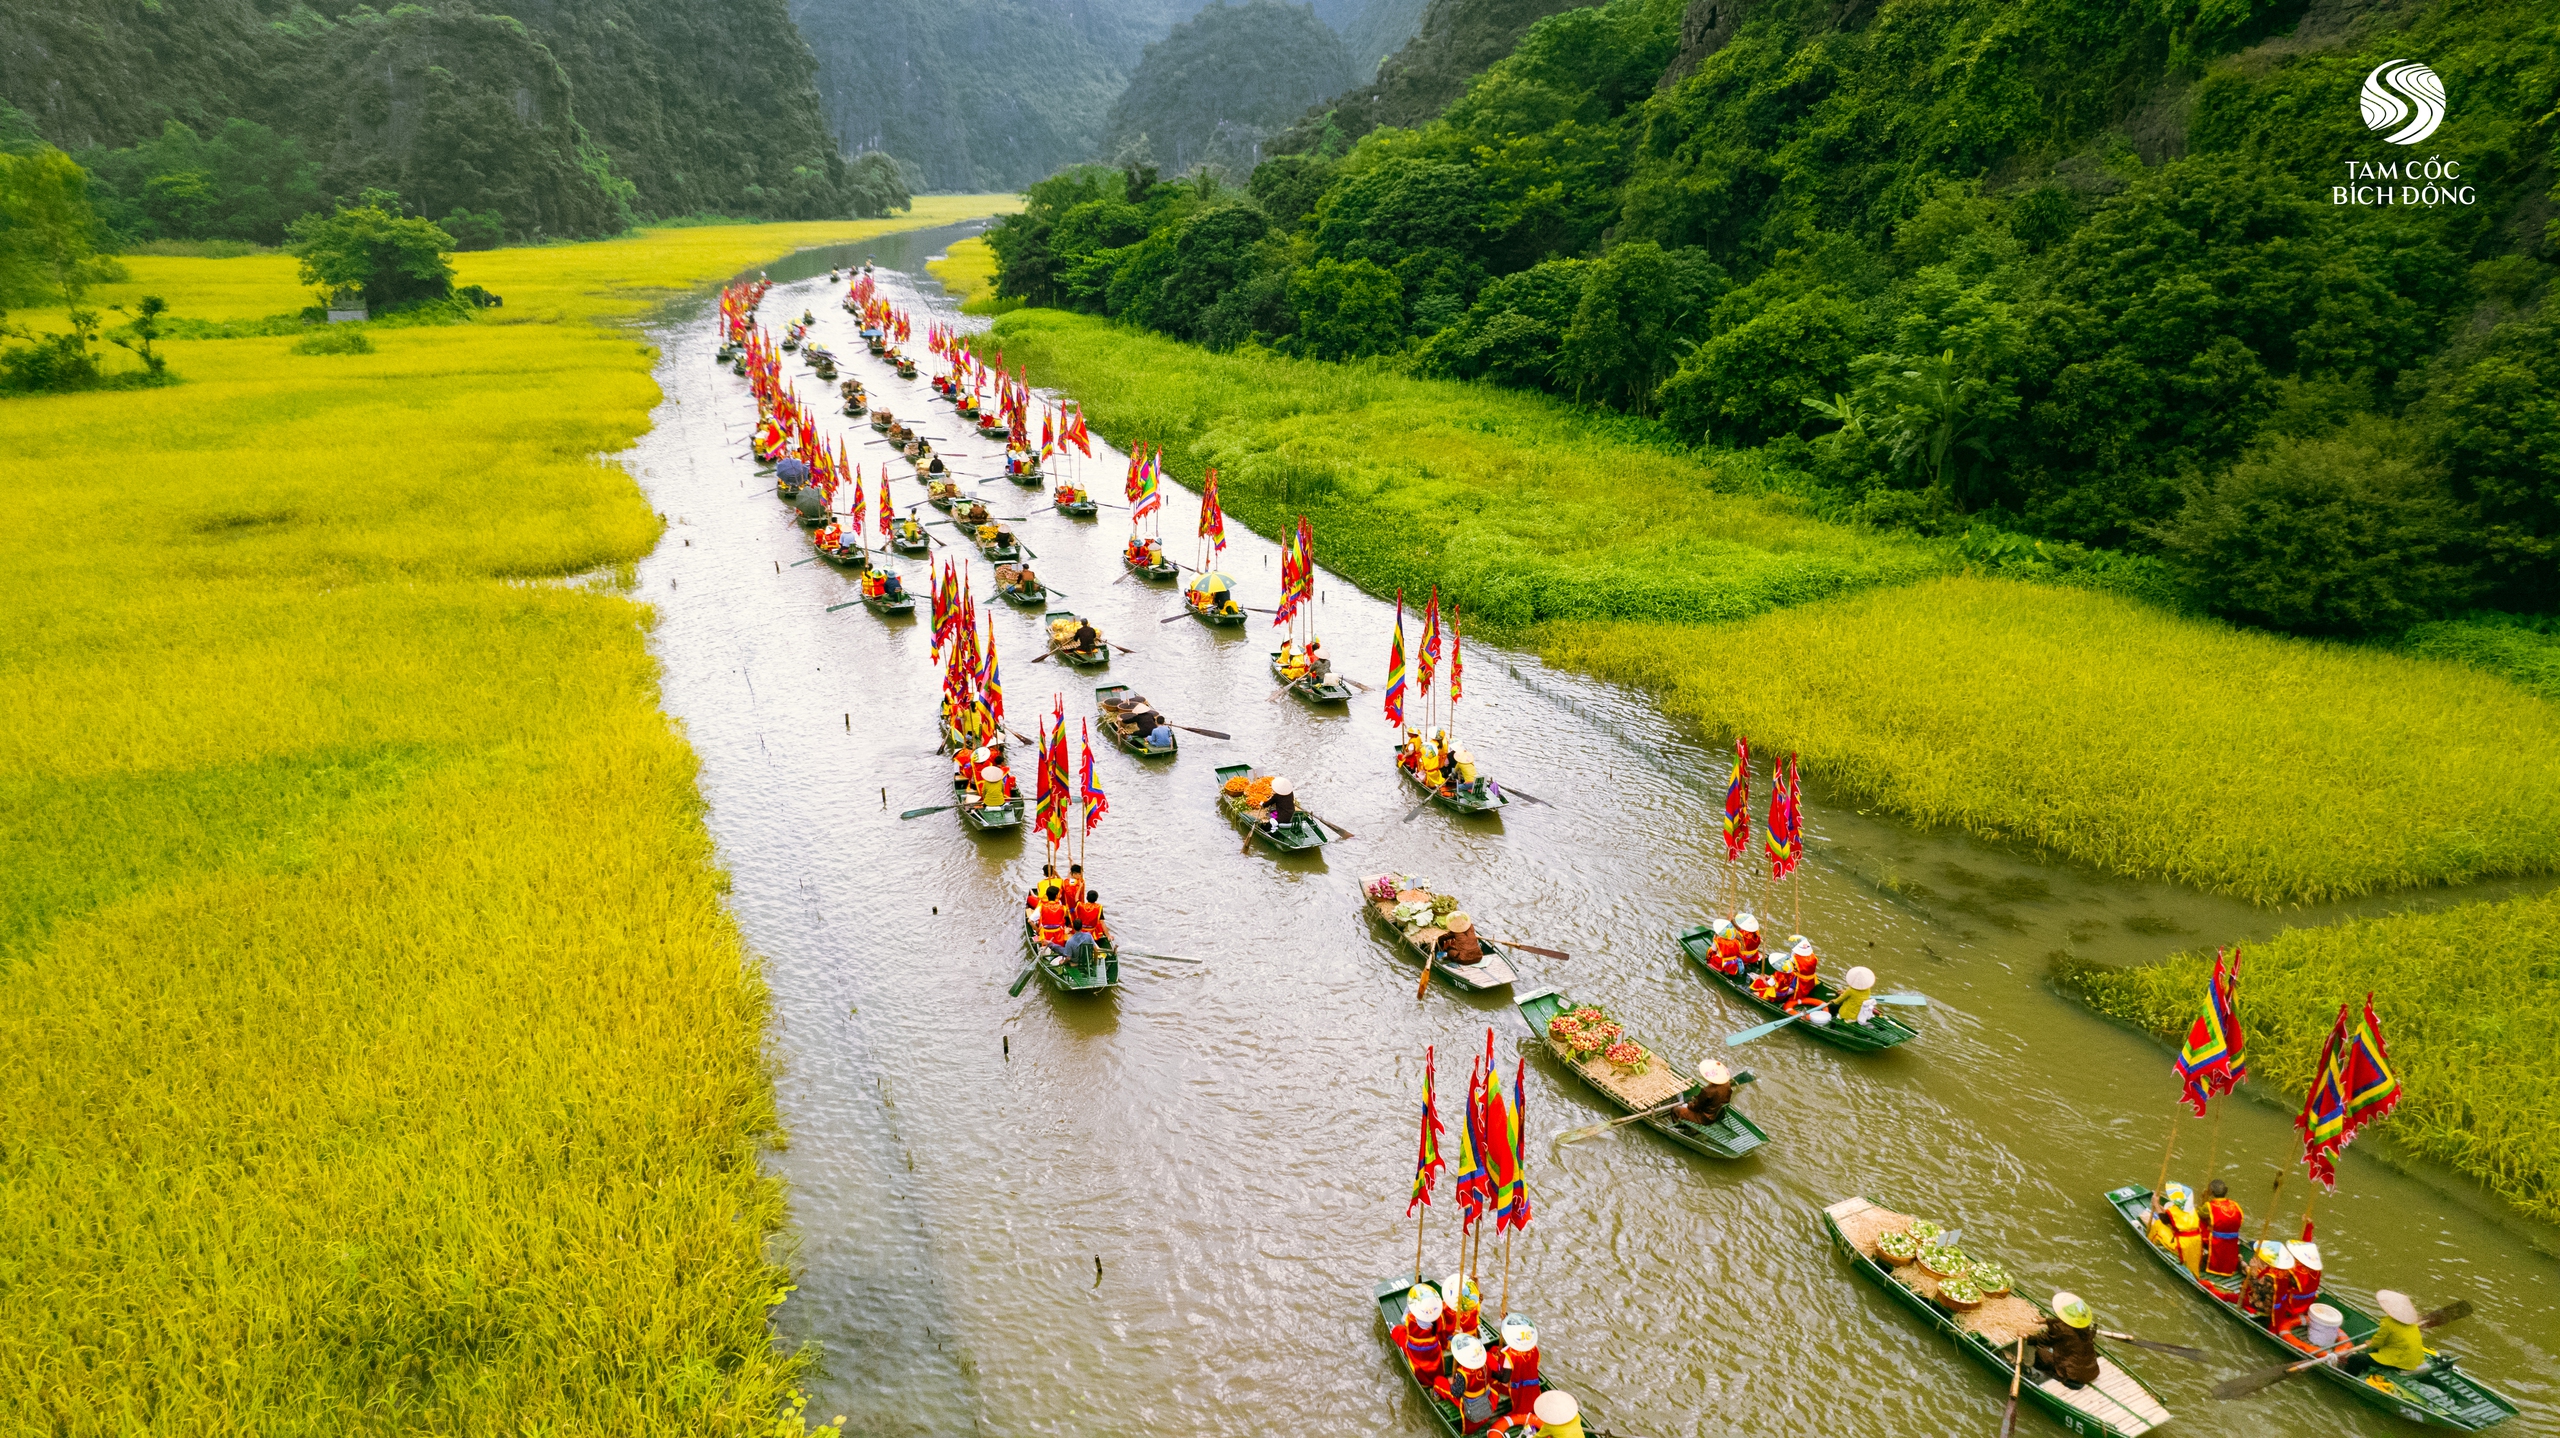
pixel 1737 803
pixel 1426 653
pixel 1426 1164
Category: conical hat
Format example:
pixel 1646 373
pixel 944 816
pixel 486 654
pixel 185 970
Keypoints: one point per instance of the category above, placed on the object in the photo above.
pixel 1422 1303
pixel 2396 1306
pixel 1862 977
pixel 1746 923
pixel 1468 1350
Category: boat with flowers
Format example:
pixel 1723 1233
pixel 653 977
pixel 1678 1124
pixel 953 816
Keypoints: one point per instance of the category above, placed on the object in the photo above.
pixel 1245 798
pixel 908 537
pixel 1412 916
pixel 1971 1301
pixel 1621 1069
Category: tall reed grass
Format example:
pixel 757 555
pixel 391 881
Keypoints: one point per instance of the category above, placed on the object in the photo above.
pixel 967 270
pixel 381 1056
pixel 2277 770
pixel 1522 507
pixel 2469 999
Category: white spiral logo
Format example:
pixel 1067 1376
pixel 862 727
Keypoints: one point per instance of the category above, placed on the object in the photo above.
pixel 2399 90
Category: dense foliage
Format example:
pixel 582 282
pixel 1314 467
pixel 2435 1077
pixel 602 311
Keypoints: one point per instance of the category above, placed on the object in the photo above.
pixel 373 252
pixel 227 119
pixel 2072 269
pixel 1209 92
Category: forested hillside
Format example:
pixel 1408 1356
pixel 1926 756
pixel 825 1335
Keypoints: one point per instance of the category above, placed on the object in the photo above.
pixel 1447 45
pixel 1211 91
pixel 560 117
pixel 2094 274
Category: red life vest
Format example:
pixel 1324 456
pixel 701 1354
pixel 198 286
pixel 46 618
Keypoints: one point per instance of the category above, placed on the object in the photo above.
pixel 1422 1346
pixel 1089 918
pixel 2222 1241
pixel 1053 922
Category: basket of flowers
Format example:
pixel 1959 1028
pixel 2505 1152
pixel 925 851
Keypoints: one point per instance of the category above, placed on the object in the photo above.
pixel 1561 1029
pixel 1960 1293
pixel 1234 785
pixel 1991 1278
pixel 1258 793
pixel 1629 1057
pixel 1940 1260
pixel 1897 1248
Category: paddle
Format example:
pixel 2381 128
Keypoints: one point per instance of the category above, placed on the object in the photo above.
pixel 795 564
pixel 1593 1130
pixel 1167 958
pixel 2247 1384
pixel 1123 648
pixel 1531 949
pixel 2192 1355
pixel 1747 1035
pixel 1168 619
pixel 1430 961
pixel 920 813
pixel 848 604
pixel 2017 1369
pixel 1328 823
pixel 1418 808
pixel 1285 688
pixel 1209 733
pixel 1022 978
pixel 1525 794
pixel 1908 1001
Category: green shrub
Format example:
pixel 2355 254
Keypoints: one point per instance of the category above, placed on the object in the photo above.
pixel 335 340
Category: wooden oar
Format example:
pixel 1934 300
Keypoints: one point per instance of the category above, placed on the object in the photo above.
pixel 1210 733
pixel 1328 823
pixel 1053 651
pixel 1525 794
pixel 1285 688
pixel 848 604
pixel 1418 808
pixel 1747 1035
pixel 1022 978
pixel 1530 949
pixel 1168 958
pixel 1908 1001
pixel 1116 644
pixel 920 813
pixel 1430 961
pixel 2247 1384
pixel 1168 619
pixel 1592 1130
pixel 795 564
pixel 2192 1355
pixel 2017 1369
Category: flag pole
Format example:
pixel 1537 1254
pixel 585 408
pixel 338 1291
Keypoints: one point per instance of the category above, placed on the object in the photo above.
pixel 2175 1114
pixel 2274 1197
pixel 1505 1310
pixel 2213 1146
pixel 1419 1216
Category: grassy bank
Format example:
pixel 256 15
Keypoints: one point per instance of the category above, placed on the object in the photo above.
pixel 383 1059
pixel 1522 507
pixel 968 270
pixel 2278 770
pixel 2473 1050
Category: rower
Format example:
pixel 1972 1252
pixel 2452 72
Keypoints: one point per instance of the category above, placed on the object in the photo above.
pixel 894 586
pixel 1317 664
pixel 1284 805
pixel 2295 1307
pixel 2399 1344
pixel 994 787
pixel 1462 771
pixel 1418 1334
pixel 1706 1103
pixel 2068 1347
pixel 2175 1227
pixel 1856 1003
pixel 1518 1365
pixel 1557 1415
pixel 1746 932
pixel 1458 944
pixel 1088 638
pixel 1025 580
pixel 2222 1221
pixel 1726 957
pixel 937 469
pixel 1086 915
pixel 1470 1383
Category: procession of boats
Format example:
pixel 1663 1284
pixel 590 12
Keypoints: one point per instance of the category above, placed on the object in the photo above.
pixel 1430 934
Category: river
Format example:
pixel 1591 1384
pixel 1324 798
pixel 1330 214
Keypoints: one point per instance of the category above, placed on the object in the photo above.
pixel 1163 1211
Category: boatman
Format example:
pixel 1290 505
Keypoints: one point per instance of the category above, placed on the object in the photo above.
pixel 1470 1383
pixel 1462 773
pixel 2399 1344
pixel 2175 1227
pixel 1284 805
pixel 1418 1335
pixel 2222 1223
pixel 1706 1103
pixel 1856 1002
pixel 1088 638
pixel 1317 665
pixel 1458 944
pixel 2294 1308
pixel 1518 1366
pixel 994 787
pixel 2068 1347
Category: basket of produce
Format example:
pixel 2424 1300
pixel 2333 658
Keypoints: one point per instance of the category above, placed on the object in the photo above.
pixel 1923 1231
pixel 1443 904
pixel 1235 785
pixel 1960 1294
pixel 1941 1261
pixel 1629 1058
pixel 1897 1248
pixel 1258 793
pixel 1989 1277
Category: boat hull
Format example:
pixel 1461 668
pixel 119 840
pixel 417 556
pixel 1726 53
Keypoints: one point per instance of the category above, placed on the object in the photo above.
pixel 1452 800
pixel 1491 972
pixel 1100 974
pixel 1884 1031
pixel 1331 691
pixel 1301 835
pixel 1732 1136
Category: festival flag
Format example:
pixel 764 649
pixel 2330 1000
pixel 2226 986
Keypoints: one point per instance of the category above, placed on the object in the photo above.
pixel 1457 661
pixel 884 504
pixel 1044 796
pixel 2211 1061
pixel 1427 653
pixel 2323 1119
pixel 1054 823
pixel 861 507
pixel 1306 561
pixel 1737 803
pixel 1395 668
pixel 1426 1163
pixel 1498 1132
pixel 1213 520
pixel 1289 564
pixel 991 682
pixel 1784 840
pixel 1514 1212
pixel 1149 495
pixel 1470 1187
pixel 1096 803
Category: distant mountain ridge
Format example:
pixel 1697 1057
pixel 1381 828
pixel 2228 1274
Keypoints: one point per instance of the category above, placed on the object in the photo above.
pixel 1453 42
pixel 1208 93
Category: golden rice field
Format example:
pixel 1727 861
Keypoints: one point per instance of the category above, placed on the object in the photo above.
pixel 2277 770
pixel 968 270
pixel 2479 1086
pixel 381 1057
pixel 1522 507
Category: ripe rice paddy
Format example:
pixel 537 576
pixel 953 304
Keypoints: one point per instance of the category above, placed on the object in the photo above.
pixel 383 1059
pixel 2479 1090
pixel 967 270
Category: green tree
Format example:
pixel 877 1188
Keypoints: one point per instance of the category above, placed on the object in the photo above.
pixel 372 251
pixel 2500 439
pixel 1748 384
pixel 1641 306
pixel 1515 329
pixel 49 253
pixel 2321 537
pixel 1346 309
pixel 1931 410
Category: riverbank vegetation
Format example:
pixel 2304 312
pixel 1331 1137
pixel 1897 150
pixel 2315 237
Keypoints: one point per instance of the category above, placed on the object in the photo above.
pixel 383 1058
pixel 967 270
pixel 2082 279
pixel 2277 770
pixel 2479 1090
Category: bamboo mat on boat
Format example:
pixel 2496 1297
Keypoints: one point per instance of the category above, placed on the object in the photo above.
pixel 1656 1086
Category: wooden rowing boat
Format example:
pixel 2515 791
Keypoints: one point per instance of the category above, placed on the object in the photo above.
pixel 998 547
pixel 1028 475
pixel 1391 1293
pixel 1731 1136
pixel 1095 658
pixel 989 427
pixel 1301 835
pixel 1162 569
pixel 908 537
pixel 1112 700
pixel 1206 609
pixel 1487 799
pixel 978 818
pixel 2439 1396
pixel 1884 1031
pixel 846 556
pixel 1312 691
pixel 889 606
pixel 906 368
pixel 1091 976
pixel 880 420
pixel 1081 507
pixel 942 493
pixel 2116 1406
pixel 1485 975
pixel 1008 584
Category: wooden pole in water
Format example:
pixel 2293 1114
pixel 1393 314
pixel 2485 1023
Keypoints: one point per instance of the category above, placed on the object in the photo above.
pixel 2273 1197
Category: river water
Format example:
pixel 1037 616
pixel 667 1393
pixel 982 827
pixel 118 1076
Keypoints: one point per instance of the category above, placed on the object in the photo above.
pixel 1162 1211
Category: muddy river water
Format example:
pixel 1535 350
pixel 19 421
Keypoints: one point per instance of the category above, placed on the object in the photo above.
pixel 1163 1211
